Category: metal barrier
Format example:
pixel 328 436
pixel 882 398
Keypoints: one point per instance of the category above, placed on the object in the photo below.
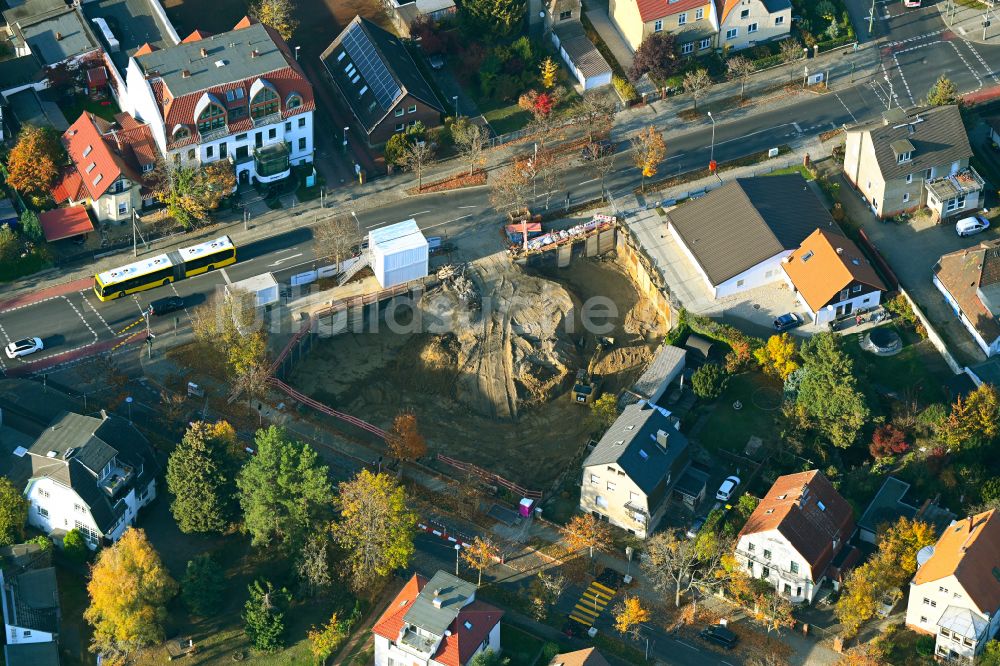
pixel 490 477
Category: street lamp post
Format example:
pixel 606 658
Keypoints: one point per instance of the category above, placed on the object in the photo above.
pixel 346 130
pixel 711 153
pixel 805 75
pixel 458 550
pixel 455 99
pixel 297 53
pixel 871 19
pixel 356 220
pixel 128 401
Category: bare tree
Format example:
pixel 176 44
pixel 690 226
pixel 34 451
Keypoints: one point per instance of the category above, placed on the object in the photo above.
pixel 697 84
pixel 679 564
pixel 740 68
pixel 416 156
pixel 510 189
pixel 602 161
pixel 546 170
pixel 597 111
pixel 471 140
pixel 791 50
pixel 335 236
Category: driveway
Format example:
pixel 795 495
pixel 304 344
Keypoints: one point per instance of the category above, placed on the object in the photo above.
pixel 597 12
pixel 912 250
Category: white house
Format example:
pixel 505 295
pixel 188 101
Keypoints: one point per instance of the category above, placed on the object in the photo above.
pixel 832 275
pixel 239 95
pixel 969 280
pixel 629 476
pixel 746 23
pixel 436 623
pixel 30 606
pixel 794 535
pixel 955 594
pixel 737 236
pixel 87 473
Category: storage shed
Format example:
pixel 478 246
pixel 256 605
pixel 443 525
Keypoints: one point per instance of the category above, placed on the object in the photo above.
pixel 399 253
pixel 264 288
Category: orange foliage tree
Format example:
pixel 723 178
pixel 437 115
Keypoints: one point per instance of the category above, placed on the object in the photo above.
pixel 33 163
pixel 405 441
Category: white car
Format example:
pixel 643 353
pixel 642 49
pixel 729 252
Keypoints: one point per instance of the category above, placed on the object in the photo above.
pixel 968 226
pixel 24 347
pixel 727 488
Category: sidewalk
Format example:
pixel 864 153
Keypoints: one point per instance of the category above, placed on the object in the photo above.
pixel 967 22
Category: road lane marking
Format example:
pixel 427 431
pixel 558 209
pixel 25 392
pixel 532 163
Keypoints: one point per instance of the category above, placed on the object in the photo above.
pixel 592 180
pixel 276 263
pixel 176 293
pixel 225 276
pixel 688 645
pixel 83 294
pixel 85 323
pixel 468 206
pixel 846 108
pixel 420 213
pixel 797 128
pixel 459 218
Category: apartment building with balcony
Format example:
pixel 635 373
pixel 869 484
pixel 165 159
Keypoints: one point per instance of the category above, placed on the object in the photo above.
pixel 793 537
pixel 239 96
pixel 630 475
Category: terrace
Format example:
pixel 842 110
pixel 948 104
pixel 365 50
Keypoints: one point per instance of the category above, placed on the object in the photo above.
pixel 962 183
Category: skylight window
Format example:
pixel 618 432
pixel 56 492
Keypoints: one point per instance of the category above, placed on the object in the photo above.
pixel 643 455
pixel 468 625
pixel 807 256
pixel 343 54
pixel 99 178
pixel 822 507
pixel 90 167
pixel 86 151
pixel 782 496
pixel 239 93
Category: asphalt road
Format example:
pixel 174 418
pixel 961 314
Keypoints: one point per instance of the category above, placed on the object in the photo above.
pixel 919 49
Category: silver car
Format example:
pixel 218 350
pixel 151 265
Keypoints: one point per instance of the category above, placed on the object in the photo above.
pixel 24 347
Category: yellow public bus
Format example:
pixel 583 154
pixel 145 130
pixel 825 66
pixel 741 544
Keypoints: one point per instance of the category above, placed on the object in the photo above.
pixel 164 268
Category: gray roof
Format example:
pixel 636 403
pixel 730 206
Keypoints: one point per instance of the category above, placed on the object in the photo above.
pixel 777 5
pixel 56 35
pixel 373 71
pixel 133 23
pixel 22 556
pixel 631 443
pixel 26 9
pixel 937 135
pixel 20 71
pixel 454 594
pixel 666 365
pixel 32 654
pixel 233 48
pixel 32 600
pixel 581 50
pixel 31 108
pixel 747 221
pixel 887 506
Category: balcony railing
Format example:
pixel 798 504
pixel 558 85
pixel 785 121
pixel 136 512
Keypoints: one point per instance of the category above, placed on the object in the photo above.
pixel 116 480
pixel 211 135
pixel 267 120
pixel 965 181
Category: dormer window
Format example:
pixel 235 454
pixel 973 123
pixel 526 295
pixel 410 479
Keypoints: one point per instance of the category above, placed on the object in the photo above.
pixel 903 150
pixel 264 102
pixel 180 133
pixel 904 157
pixel 211 118
pixel 294 101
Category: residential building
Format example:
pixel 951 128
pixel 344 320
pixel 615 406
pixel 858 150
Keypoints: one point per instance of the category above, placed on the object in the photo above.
pixel 908 160
pixel 107 163
pixel 239 96
pixel 738 235
pixel 746 23
pixel 969 280
pixel 629 476
pixel 891 503
pixel 588 657
pixel 832 276
pixel 666 366
pixel 584 61
pixel 379 82
pixel 955 594
pixel 693 23
pixel 404 13
pixel 51 30
pixel 794 535
pixel 30 602
pixel 436 623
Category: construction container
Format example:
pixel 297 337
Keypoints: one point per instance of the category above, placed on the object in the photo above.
pixel 399 253
pixel 263 287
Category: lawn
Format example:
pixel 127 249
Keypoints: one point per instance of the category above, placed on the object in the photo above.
pixel 798 168
pixel 519 646
pixel 724 427
pixel 917 371
pixel 104 108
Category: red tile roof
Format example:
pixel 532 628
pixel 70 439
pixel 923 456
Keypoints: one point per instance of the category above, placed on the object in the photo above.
pixel 969 549
pixel 144 49
pixel 454 650
pixel 60 223
pixel 70 187
pixel 809 512
pixel 196 36
pixel 964 273
pixel 112 150
pixel 245 22
pixel 97 77
pixel 650 10
pixel 98 165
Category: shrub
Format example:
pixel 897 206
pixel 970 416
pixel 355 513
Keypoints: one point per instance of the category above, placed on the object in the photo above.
pixel 900 307
pixel 75 546
pixel 625 89
pixel 888 440
pixel 708 381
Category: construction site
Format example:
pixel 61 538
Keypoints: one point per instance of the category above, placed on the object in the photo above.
pixel 491 359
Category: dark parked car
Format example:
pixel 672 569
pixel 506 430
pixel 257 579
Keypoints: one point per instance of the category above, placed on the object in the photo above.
pixel 720 636
pixel 162 306
pixel 788 321
pixel 602 148
pixel 437 62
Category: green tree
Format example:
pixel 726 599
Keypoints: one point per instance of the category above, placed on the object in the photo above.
pixel 200 475
pixel 277 14
pixel 395 149
pixel 491 18
pixel 990 655
pixel 13 513
pixel 190 193
pixel 31 227
pixel 828 391
pixel 284 490
pixel 489 658
pixel 604 411
pixel 313 565
pixel 264 616
pixel 10 246
pixel 974 420
pixel 375 529
pixel 75 546
pixel 327 639
pixel 203 584
pixel 708 381
pixel 129 589
pixel 943 92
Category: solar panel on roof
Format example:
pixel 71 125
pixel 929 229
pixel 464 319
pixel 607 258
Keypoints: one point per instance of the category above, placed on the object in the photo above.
pixel 371 66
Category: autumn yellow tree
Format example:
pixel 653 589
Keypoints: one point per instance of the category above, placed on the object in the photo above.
pixel 629 616
pixel 129 588
pixel 405 441
pixel 277 14
pixel 648 150
pixel 584 531
pixel 33 163
pixel 974 420
pixel 325 640
pixel 480 554
pixel 778 357
pixel 549 72
pixel 898 547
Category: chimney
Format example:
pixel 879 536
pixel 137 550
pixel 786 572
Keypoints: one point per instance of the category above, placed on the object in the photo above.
pixel 104 415
pixel 185 73
pixel 437 601
pixel 840 250
pixel 204 52
pixel 58 36
pixel 662 438
pixel 254 53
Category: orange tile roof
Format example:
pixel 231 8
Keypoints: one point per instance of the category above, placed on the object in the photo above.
pixel 723 7
pixel 809 512
pixel 454 650
pixel 588 657
pixel 196 36
pixel 963 273
pixel 969 549
pixel 834 263
pixel 97 164
pixel 69 187
pixel 650 10
pixel 60 223
pixel 245 22
pixel 144 49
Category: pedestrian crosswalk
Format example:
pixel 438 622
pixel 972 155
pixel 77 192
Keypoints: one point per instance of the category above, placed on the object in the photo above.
pixel 591 604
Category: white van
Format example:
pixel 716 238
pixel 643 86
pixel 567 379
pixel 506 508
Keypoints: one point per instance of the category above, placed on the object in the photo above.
pixel 968 226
